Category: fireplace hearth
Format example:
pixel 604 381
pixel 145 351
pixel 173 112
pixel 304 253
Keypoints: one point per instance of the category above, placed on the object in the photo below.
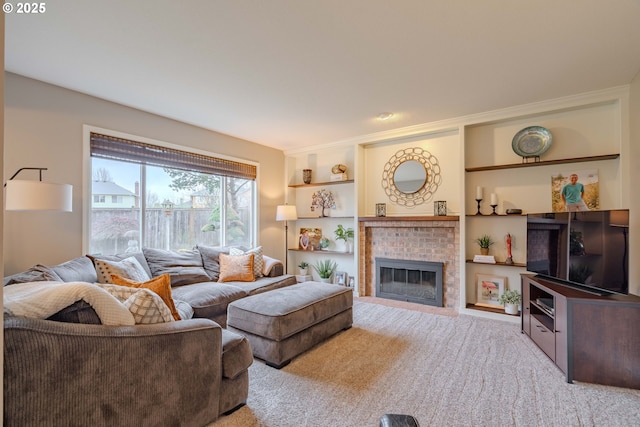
pixel 411 281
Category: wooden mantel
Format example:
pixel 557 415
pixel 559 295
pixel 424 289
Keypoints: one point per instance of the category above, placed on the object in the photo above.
pixel 408 218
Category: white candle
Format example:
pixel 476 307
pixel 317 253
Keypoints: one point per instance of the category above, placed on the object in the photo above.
pixel 494 199
pixel 478 193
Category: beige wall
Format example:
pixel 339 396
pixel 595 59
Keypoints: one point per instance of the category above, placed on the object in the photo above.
pixel 45 129
pixel 634 198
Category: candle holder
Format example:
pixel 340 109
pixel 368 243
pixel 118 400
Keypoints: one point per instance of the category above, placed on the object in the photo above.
pixel 478 200
pixel 494 209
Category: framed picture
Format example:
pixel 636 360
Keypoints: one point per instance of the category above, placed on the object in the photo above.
pixel 489 288
pixel 352 282
pixel 309 238
pixel 341 278
pixel 574 191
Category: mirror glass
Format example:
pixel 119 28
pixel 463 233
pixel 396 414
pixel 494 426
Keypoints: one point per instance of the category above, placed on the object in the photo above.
pixel 410 176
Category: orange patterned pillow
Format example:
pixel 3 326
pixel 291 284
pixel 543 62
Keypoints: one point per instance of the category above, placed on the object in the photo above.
pixel 161 285
pixel 236 268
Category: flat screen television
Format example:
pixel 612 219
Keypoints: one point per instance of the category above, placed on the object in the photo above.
pixel 588 250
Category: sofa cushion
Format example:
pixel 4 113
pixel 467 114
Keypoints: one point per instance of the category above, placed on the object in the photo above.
pixel 146 306
pixel 208 299
pixel 37 273
pixel 79 269
pixel 258 262
pixel 184 309
pixel 184 267
pixel 211 259
pixel 161 285
pixel 128 268
pixel 236 268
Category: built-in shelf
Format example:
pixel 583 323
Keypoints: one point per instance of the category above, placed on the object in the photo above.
pixel 317 184
pixel 490 310
pixel 325 217
pixel 490 215
pixel 322 251
pixel 515 264
pixel 544 163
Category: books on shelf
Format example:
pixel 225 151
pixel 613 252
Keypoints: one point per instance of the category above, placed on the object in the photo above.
pixel 486 259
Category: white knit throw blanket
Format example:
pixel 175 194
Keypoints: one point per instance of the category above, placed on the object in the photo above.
pixel 42 299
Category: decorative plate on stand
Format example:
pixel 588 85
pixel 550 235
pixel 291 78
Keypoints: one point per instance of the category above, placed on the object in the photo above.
pixel 532 141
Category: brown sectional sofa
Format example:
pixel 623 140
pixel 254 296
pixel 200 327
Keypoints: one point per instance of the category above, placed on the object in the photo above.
pixel 71 370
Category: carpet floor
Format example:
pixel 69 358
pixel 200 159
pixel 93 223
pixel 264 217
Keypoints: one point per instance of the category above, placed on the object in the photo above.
pixel 444 370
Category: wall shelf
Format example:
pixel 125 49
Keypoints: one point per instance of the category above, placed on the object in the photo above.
pixel 318 184
pixel 502 264
pixel 324 217
pixel 544 163
pixel 321 251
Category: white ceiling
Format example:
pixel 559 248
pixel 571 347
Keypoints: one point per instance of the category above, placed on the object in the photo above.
pixel 295 73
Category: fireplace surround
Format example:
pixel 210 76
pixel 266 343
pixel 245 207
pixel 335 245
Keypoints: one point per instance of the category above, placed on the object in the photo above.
pixel 414 238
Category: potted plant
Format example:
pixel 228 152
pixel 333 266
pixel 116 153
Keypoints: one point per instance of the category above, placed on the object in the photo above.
pixel 345 234
pixel 303 268
pixel 484 242
pixel 511 299
pixel 325 269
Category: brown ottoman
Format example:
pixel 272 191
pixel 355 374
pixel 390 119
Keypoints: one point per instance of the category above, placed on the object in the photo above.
pixel 286 322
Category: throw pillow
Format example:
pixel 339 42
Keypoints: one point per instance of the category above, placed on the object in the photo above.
pixel 160 285
pixel 184 267
pixel 145 305
pixel 236 268
pixel 211 259
pixel 128 268
pixel 258 261
pixel 119 257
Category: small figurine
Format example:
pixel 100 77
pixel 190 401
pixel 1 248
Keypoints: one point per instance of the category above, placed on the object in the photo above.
pixel 508 241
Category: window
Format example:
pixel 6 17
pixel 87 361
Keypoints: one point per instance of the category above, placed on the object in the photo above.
pixel 153 196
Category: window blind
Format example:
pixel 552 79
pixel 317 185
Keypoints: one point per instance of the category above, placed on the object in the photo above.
pixel 109 147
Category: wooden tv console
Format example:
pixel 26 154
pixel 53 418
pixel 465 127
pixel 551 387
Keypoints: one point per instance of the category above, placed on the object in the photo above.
pixel 591 338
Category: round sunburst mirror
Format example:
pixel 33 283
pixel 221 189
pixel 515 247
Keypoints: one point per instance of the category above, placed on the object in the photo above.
pixel 411 177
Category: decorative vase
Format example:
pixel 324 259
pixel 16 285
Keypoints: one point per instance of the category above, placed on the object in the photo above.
pixel 306 176
pixel 302 271
pixel 325 280
pixel 511 308
pixel 484 251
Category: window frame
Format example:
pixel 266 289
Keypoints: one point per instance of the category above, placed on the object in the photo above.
pixel 87 176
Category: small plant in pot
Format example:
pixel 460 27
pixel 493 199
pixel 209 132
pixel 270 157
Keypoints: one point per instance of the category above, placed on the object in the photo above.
pixel 325 269
pixel 303 268
pixel 345 234
pixel 484 242
pixel 511 299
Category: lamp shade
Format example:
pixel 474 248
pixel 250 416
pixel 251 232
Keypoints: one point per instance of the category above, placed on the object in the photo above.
pixel 38 196
pixel 286 213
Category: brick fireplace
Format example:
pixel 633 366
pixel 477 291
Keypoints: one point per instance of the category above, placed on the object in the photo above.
pixel 419 238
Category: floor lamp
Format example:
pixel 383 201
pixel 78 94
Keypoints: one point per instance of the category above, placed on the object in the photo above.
pixel 286 213
pixel 37 195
